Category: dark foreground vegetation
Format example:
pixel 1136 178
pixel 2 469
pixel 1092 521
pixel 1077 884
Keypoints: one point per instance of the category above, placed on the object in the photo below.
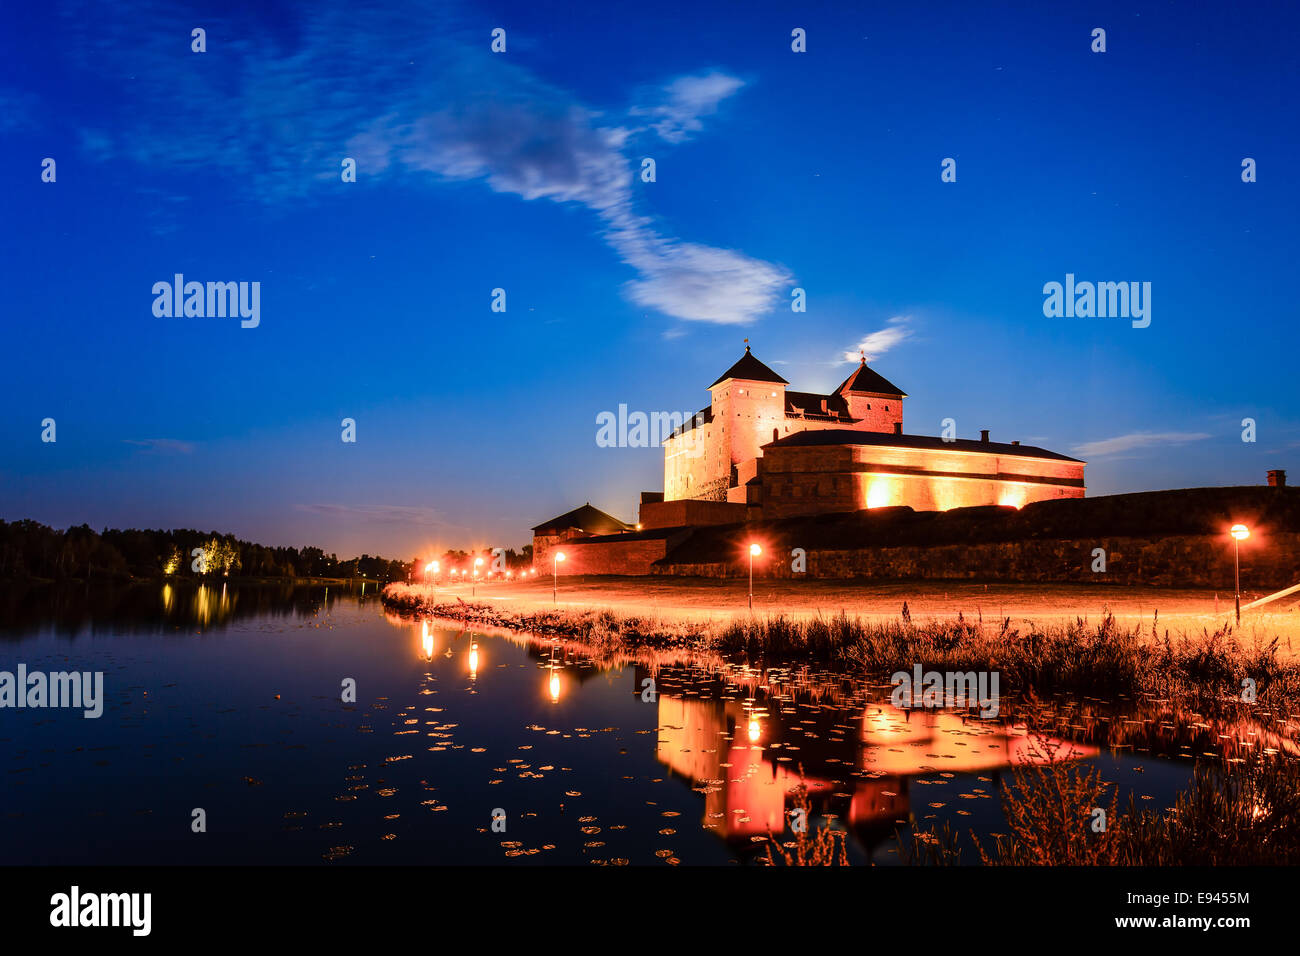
pixel 1238 812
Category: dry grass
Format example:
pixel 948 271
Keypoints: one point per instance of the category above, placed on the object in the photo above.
pixel 1050 809
pixel 1205 669
pixel 1238 812
pixel 811 846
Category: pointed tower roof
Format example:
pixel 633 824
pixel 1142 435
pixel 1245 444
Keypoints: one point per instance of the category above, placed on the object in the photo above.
pixel 868 380
pixel 585 518
pixel 751 370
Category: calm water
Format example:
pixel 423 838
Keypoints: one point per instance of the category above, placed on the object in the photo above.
pixel 228 700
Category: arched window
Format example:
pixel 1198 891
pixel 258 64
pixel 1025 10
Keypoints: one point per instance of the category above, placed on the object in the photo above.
pixel 776 433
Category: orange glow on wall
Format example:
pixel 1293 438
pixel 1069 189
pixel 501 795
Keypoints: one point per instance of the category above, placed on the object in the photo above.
pixel 881 491
pixel 1013 496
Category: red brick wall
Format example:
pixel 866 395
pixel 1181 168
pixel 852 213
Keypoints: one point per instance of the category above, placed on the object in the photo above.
pixel 608 557
pixel 686 511
pixel 879 413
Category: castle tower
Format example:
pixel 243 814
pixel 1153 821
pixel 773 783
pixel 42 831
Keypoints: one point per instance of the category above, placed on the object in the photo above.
pixel 748 409
pixel 874 399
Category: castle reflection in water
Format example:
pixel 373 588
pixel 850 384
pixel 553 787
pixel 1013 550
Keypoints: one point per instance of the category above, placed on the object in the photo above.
pixel 743 745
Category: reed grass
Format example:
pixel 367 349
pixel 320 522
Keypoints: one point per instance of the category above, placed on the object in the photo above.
pixel 812 845
pixel 1103 659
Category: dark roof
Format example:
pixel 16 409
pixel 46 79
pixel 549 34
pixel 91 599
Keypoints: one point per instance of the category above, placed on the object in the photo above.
pixel 751 370
pixel 868 380
pixel 810 403
pixel 586 518
pixel 844 436
pixel 703 417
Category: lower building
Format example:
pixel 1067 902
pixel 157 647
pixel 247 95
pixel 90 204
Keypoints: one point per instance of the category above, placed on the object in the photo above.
pixel 814 472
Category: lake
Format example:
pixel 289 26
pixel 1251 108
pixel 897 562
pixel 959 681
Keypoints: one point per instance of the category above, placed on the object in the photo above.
pixel 228 700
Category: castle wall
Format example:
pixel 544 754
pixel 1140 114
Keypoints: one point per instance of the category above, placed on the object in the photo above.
pixel 879 413
pixel 696 465
pixel 1182 561
pixel 829 478
pixel 631 553
pixel 688 511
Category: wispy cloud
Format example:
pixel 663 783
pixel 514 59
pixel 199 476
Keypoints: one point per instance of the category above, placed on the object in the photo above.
pixel 1122 443
pixel 680 104
pixel 876 344
pixel 382 514
pixel 162 446
pixel 413 95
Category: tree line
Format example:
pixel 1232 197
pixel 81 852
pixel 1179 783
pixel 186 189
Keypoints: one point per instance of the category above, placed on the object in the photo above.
pixel 29 549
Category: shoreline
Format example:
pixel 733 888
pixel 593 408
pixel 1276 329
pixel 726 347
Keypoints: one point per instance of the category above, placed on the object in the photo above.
pixel 1104 658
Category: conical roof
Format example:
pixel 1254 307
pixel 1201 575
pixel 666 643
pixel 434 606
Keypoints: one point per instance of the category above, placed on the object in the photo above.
pixel 864 379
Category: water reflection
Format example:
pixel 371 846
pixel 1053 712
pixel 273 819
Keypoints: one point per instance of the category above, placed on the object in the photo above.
pixel 208 606
pixel 176 603
pixel 746 739
pixel 859 756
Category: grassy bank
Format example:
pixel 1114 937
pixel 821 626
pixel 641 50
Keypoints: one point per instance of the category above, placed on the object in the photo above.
pixel 1233 815
pixel 1207 669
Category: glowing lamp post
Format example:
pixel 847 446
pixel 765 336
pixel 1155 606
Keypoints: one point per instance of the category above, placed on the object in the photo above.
pixel 754 551
pixel 1239 534
pixel 478 563
pixel 555 577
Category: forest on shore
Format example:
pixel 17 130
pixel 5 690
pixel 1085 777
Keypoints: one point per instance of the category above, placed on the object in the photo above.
pixel 29 549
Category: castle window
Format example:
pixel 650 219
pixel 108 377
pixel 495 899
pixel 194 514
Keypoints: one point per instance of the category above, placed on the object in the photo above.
pixel 776 433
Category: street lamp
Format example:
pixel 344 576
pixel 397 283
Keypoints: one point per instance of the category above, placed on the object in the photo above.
pixel 1239 534
pixel 754 551
pixel 555 594
pixel 478 563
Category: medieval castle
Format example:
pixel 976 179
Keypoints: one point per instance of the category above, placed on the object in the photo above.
pixel 760 450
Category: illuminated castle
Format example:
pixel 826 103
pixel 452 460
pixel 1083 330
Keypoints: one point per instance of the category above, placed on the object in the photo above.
pixel 769 449
pixel 761 451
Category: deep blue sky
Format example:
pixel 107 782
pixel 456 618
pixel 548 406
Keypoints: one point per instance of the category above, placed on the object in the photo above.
pixel 519 170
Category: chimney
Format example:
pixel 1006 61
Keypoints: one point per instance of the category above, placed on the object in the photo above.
pixel 1277 478
pixel 1016 442
pixel 898 430
pixel 984 434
